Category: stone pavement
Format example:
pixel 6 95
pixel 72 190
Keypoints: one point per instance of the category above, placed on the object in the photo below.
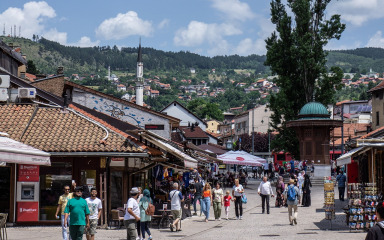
pixel 311 224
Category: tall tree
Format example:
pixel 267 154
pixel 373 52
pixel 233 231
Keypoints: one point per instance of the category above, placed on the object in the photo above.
pixel 295 53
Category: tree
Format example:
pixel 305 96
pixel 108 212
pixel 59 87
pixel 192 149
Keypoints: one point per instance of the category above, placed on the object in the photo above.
pixel 295 53
pixel 204 109
pixel 31 68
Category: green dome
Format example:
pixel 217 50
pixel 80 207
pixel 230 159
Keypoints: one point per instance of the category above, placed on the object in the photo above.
pixel 313 110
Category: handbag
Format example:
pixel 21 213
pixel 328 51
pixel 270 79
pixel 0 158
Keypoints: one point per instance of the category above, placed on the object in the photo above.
pixel 244 198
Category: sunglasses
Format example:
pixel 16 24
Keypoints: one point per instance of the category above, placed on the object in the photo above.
pixel 66 189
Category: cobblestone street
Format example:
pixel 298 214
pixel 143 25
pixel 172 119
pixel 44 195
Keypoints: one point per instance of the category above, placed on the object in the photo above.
pixel 311 224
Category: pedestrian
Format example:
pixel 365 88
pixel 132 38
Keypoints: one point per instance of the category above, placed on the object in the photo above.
pixel 176 198
pixel 237 193
pixel 377 231
pixel 259 172
pixel 132 214
pixel 266 168
pixel 227 202
pixel 341 179
pixel 207 200
pixel 77 207
pixel 292 194
pixel 292 162
pixel 197 193
pixel 265 191
pixel 94 206
pixel 63 200
pixel 138 227
pixel 313 168
pixel 300 182
pixel 144 218
pixel 305 166
pixel 279 192
pixel 306 191
pixel 218 201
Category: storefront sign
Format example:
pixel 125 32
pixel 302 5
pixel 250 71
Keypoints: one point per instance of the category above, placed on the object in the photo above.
pixel 154 127
pixel 28 211
pixel 28 173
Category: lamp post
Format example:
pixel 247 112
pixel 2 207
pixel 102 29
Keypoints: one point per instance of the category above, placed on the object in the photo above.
pixel 253 131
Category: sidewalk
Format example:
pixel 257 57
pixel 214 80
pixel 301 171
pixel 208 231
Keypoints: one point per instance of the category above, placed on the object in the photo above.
pixel 311 224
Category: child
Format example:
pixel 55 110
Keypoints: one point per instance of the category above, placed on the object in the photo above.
pixel 227 202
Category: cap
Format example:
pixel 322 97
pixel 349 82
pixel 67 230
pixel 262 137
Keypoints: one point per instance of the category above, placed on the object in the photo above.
pixel 134 190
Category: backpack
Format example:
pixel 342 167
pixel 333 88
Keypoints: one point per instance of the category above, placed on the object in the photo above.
pixel 150 211
pixel 244 199
pixel 291 194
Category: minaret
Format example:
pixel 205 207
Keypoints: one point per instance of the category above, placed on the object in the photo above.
pixel 109 73
pixel 139 78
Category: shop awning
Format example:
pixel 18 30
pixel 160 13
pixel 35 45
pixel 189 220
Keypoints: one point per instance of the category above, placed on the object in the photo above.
pixel 241 158
pixel 346 158
pixel 12 151
pixel 189 162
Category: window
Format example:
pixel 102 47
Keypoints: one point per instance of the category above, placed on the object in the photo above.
pixel 377 119
pixel 381 95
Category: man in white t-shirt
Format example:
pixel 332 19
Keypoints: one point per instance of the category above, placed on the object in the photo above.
pixel 95 206
pixel 176 198
pixel 132 214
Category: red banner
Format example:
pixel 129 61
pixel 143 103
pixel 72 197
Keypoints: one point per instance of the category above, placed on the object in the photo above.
pixel 28 173
pixel 28 211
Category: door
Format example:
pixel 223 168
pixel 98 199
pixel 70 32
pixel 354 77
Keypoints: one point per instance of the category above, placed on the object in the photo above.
pixel 5 189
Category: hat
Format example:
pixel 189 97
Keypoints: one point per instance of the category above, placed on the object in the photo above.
pixel 134 190
pixel 79 189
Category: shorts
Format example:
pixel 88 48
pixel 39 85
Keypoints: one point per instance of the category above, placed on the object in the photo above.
pixel 176 214
pixel 92 227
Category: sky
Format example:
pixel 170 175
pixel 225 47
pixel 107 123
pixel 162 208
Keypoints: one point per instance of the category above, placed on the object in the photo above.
pixel 205 27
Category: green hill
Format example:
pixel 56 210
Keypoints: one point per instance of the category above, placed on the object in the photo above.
pixel 48 55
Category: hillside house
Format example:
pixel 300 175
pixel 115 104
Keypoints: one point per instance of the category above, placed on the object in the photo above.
pixel 121 87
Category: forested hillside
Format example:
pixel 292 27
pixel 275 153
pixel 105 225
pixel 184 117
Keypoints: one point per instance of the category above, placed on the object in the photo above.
pixel 47 55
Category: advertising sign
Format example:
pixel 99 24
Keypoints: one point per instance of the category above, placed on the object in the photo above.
pixel 28 211
pixel 28 173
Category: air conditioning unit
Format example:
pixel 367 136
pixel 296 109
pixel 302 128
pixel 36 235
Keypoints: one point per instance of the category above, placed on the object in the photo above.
pixel 4 81
pixel 27 92
pixel 3 94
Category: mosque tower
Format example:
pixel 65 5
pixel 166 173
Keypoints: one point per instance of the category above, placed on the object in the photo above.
pixel 139 78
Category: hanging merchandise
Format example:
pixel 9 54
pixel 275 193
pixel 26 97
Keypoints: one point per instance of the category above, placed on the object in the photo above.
pixel 165 172
pixel 362 204
pixel 329 198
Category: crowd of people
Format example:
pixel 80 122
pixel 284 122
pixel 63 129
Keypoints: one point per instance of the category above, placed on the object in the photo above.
pixel 81 213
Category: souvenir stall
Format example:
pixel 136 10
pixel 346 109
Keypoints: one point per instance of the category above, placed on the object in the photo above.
pixel 329 199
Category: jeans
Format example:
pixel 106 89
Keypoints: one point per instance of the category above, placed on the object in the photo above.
pixel 144 228
pixel 206 204
pixel 238 206
pixel 264 198
pixel 290 215
pixel 217 209
pixel 194 203
pixel 64 229
pixel 341 193
pixel 76 231
pixel 130 225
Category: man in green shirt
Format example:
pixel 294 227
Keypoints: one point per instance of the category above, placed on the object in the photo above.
pixel 78 208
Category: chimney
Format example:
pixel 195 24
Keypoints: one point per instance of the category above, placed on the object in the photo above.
pixel 60 70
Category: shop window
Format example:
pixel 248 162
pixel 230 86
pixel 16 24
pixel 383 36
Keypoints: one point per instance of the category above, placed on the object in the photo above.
pixel 52 182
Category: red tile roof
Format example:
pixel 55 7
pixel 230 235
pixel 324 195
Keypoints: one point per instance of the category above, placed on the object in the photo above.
pixel 377 87
pixel 55 130
pixel 372 133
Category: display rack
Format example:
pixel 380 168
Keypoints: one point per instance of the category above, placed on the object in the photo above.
pixel 329 199
pixel 363 200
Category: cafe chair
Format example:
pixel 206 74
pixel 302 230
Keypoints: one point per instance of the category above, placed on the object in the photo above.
pixel 116 216
pixel 3 226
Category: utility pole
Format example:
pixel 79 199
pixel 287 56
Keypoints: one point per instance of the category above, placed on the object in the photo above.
pixel 253 131
pixel 342 129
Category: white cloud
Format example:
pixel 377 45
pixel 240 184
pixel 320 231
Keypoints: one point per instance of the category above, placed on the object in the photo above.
pixel 198 33
pixel 234 9
pixel 247 46
pixel 124 25
pixel 56 36
pixel 358 12
pixel 163 24
pixel 376 40
pixel 30 18
pixel 85 42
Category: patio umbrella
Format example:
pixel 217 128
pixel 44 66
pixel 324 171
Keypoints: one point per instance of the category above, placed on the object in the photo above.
pixel 12 151
pixel 241 158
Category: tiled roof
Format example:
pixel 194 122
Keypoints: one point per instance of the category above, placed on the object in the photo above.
pixel 377 131
pixel 196 133
pixel 52 130
pixel 351 129
pixel 212 148
pixel 377 87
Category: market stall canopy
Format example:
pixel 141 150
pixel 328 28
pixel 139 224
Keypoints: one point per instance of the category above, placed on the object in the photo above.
pixel 241 158
pixel 12 151
pixel 346 158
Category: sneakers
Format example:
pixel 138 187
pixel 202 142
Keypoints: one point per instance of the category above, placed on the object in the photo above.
pixel 195 214
pixel 227 218
pixel 237 218
pixel 241 217
pixel 150 238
